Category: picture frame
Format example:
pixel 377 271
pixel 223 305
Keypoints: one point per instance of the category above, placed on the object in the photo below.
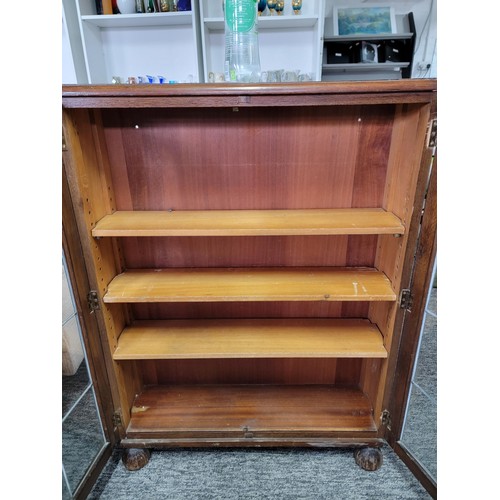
pixel 364 20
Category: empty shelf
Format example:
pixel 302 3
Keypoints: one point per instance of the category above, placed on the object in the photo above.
pixel 235 410
pixel 249 223
pixel 249 284
pixel 250 338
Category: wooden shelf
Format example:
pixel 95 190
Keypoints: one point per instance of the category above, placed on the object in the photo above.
pixel 249 284
pixel 249 223
pixel 236 410
pixel 250 338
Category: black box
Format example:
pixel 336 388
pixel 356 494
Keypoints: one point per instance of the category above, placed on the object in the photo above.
pixel 392 52
pixel 338 53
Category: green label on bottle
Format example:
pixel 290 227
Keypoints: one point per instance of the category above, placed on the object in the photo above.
pixel 240 15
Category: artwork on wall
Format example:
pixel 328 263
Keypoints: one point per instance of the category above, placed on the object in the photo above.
pixel 373 20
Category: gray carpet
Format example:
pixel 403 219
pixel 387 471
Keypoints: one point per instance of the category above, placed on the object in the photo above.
pixel 195 474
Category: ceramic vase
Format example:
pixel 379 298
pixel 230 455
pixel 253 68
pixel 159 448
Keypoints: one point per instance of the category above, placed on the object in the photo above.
pixel 126 6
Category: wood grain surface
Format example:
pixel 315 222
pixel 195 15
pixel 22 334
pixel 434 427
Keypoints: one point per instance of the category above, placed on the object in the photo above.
pixel 249 284
pixel 254 338
pixel 229 409
pixel 248 223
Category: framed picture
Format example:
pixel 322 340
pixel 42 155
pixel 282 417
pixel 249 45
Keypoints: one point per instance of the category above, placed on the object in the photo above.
pixel 373 20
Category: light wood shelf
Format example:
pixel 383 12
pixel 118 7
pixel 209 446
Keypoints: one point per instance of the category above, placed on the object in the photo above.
pixel 249 284
pixel 250 338
pixel 249 223
pixel 232 410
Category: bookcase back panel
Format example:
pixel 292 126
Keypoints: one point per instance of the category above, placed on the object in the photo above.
pixel 258 251
pixel 248 158
pixel 200 310
pixel 252 371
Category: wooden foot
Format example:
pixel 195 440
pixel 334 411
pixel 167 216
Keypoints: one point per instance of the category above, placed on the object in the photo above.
pixel 368 458
pixel 135 458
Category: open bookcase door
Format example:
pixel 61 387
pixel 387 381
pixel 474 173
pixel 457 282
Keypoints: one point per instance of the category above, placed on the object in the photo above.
pixel 86 457
pixel 411 419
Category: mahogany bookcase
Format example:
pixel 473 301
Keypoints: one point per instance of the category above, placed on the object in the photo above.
pixel 247 248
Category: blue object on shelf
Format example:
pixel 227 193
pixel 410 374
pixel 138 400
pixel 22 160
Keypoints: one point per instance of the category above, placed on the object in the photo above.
pixel 183 5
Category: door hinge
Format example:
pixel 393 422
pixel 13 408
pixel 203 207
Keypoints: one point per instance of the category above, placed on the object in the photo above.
pixel 406 299
pixel 117 418
pixel 93 301
pixel 64 147
pixel 385 419
pixel 432 134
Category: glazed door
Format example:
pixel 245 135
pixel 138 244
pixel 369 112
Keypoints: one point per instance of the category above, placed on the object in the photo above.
pixel 412 429
pixel 87 426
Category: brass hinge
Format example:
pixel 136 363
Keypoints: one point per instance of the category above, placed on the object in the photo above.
pixel 93 301
pixel 432 134
pixel 406 299
pixel 117 418
pixel 385 419
pixel 64 147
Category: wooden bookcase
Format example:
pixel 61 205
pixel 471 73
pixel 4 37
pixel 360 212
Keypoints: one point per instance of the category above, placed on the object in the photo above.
pixel 246 247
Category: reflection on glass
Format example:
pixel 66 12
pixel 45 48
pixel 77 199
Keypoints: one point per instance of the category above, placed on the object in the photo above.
pixel 66 495
pixel 75 379
pixel 82 439
pixel 419 434
pixel 82 434
pixel 426 370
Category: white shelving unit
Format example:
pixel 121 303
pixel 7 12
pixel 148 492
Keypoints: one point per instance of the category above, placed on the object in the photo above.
pixel 187 46
pixel 157 44
pixel 289 42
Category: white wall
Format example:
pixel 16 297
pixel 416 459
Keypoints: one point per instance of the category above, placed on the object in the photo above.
pixel 68 66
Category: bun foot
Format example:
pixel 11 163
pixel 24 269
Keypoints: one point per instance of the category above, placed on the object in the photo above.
pixel 135 458
pixel 368 458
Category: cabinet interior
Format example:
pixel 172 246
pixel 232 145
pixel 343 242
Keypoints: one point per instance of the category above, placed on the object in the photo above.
pixel 233 307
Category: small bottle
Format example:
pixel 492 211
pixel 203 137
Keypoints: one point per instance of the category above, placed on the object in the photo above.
pixel 242 60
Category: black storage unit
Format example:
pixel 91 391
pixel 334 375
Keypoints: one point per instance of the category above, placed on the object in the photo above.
pixel 352 55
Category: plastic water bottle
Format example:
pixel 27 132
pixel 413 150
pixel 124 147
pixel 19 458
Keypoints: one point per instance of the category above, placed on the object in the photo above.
pixel 242 61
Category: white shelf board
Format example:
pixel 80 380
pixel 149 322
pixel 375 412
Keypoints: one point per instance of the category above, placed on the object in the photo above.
pixel 357 38
pixel 268 22
pixel 138 20
pixel 328 68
